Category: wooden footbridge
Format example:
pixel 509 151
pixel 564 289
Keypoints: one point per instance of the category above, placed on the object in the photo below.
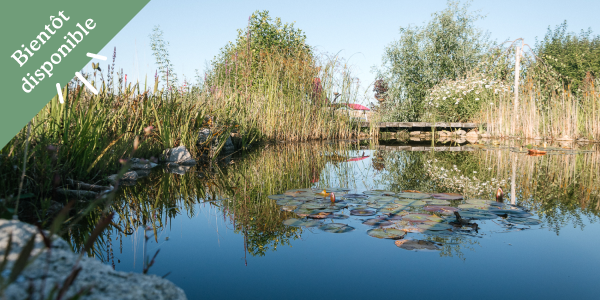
pixel 422 125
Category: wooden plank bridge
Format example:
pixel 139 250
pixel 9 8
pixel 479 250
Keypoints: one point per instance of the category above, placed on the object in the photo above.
pixel 422 125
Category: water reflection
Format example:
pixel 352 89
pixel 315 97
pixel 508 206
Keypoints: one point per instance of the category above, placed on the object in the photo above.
pixel 560 190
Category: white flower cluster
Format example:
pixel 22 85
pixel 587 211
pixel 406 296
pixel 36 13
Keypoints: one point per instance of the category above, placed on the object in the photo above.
pixel 454 180
pixel 455 91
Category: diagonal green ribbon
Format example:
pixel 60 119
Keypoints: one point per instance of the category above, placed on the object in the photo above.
pixel 49 41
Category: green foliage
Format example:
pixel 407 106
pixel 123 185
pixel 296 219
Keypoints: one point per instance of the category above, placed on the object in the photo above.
pixel 245 61
pixel 446 48
pixel 571 55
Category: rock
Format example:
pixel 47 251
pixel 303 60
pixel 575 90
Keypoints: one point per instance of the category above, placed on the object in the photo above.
pixel 177 169
pixel 443 133
pixel 179 155
pixel 142 166
pixel 460 132
pixel 473 134
pixel 415 133
pixel 205 134
pixel 79 194
pixel 142 173
pixel 236 139
pixel 105 283
pixel 565 138
pixel 486 135
pixel 415 139
pixel 129 177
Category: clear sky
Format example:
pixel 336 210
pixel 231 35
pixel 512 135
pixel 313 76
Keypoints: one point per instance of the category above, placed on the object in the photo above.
pixel 359 30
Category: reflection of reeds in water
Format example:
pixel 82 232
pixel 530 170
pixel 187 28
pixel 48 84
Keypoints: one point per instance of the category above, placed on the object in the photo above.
pixel 558 187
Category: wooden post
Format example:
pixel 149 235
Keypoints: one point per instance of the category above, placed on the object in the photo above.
pixel 517 71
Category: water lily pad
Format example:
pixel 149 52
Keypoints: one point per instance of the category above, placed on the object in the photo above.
pixel 479 201
pixel 416 245
pixel 419 218
pixel 313 205
pixel 441 209
pixel 303 212
pixel 382 199
pixel 355 196
pixel 413 195
pixel 437 202
pixel 337 216
pixel 288 208
pixel 279 197
pixel 336 228
pixel 299 192
pixel 389 233
pixel 434 226
pixel 474 206
pixel 524 221
pixel 478 215
pixel 289 202
pixel 393 208
pixel 372 193
pixel 299 223
pixel 409 202
pixel 363 212
pixel 378 222
pixel 516 212
pixel 447 196
pixel 319 215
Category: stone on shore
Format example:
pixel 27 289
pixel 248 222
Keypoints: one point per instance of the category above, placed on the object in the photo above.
pixel 103 281
pixel 179 155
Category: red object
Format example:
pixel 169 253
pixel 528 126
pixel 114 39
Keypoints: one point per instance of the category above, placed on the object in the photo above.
pixel 357 158
pixel 357 106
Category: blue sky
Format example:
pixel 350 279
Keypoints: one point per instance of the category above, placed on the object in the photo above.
pixel 358 30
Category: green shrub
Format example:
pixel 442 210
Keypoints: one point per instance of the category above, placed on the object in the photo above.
pixel 446 48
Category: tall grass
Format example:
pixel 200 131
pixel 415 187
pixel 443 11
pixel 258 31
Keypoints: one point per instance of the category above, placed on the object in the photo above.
pixel 280 100
pixel 545 113
pixel 85 137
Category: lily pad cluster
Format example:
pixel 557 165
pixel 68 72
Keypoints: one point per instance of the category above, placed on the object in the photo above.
pixel 393 215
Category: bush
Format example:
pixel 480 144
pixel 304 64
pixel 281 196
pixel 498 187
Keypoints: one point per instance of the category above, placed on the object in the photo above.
pixel 571 55
pixel 446 48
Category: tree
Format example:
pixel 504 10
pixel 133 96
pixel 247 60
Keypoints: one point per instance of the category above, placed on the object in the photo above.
pixel 446 48
pixel 573 56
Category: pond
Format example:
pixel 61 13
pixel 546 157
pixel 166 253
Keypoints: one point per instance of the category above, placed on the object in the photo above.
pixel 264 226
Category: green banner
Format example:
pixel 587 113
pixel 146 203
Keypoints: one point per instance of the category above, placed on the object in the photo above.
pixel 44 43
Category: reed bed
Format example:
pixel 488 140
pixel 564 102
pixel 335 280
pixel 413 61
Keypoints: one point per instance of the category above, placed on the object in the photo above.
pixel 545 113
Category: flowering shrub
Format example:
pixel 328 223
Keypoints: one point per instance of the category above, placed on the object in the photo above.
pixel 460 100
pixel 467 184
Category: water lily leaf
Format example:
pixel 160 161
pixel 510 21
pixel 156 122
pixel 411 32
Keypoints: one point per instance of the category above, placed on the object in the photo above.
pixel 288 208
pixel 319 215
pixel 362 212
pixel 413 195
pixel 289 202
pixel 390 233
pixel 303 212
pixel 474 206
pixel 416 245
pixel 298 192
pixel 374 193
pixel 336 228
pixel 447 196
pixel 418 218
pixel 523 221
pixel 382 199
pixel 355 196
pixel 478 215
pixel 516 212
pixel 313 205
pixel 479 201
pixel 377 222
pixel 409 202
pixel 441 209
pixel 437 202
pixel 279 197
pixel 299 223
pixel 337 216
pixel 434 226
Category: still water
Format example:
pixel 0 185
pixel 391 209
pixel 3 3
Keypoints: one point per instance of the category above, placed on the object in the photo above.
pixel 221 237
